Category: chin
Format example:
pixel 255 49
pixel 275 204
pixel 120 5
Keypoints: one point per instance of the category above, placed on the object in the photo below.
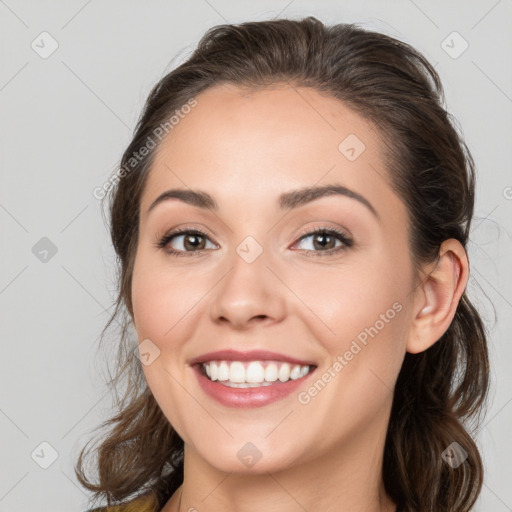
pixel 248 458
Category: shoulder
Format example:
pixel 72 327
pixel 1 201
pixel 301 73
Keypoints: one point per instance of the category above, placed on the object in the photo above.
pixel 141 504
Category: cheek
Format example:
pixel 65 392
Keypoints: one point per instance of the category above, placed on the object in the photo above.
pixel 367 316
pixel 379 320
pixel 160 298
pixel 350 298
pixel 365 309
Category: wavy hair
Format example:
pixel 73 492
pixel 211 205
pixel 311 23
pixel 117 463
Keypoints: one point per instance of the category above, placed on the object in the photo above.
pixel 440 394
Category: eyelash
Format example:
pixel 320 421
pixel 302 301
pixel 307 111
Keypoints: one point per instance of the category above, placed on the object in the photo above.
pixel 340 235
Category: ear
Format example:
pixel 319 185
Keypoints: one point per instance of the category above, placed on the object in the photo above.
pixel 437 297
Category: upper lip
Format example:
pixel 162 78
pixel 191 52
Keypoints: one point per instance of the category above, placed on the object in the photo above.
pixel 251 355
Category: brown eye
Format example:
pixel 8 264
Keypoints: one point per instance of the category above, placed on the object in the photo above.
pixel 324 241
pixel 185 241
pixel 192 242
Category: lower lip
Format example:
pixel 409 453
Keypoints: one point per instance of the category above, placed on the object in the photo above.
pixel 248 397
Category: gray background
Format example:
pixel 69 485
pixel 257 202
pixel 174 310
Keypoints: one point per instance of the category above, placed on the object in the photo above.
pixel 65 120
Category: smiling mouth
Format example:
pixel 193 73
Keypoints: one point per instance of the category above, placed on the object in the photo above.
pixel 251 374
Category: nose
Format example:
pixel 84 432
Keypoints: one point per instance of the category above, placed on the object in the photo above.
pixel 249 294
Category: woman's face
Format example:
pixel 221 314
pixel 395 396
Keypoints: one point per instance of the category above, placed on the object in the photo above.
pixel 256 281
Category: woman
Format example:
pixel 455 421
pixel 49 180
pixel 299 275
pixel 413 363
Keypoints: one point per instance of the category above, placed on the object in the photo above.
pixel 291 219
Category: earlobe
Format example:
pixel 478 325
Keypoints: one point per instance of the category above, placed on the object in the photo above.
pixel 436 299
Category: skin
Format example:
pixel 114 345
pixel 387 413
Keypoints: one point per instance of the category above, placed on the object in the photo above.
pixel 245 149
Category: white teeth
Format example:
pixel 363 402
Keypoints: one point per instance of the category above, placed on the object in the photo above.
pixel 246 384
pixel 214 370
pixel 223 371
pixel 237 372
pixel 271 372
pixel 253 374
pixel 284 372
pixel 295 372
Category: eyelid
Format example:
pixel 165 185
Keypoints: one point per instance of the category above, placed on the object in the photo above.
pixel 180 230
pixel 324 228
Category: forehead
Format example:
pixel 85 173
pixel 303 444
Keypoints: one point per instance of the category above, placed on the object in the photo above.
pixel 259 143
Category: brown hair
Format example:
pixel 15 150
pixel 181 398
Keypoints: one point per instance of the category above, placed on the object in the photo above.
pixel 441 392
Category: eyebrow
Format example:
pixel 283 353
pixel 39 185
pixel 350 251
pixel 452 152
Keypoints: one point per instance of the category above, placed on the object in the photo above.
pixel 287 200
